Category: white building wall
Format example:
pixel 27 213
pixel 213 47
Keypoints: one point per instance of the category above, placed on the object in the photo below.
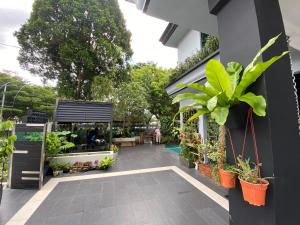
pixel 189 45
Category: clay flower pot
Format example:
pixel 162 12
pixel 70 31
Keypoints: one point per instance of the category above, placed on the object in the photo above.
pixel 206 170
pixel 255 194
pixel 227 178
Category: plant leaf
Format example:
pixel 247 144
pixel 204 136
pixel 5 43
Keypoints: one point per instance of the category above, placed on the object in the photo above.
pixel 212 103
pixel 220 115
pixel 198 87
pixel 200 98
pixel 197 114
pixel 252 75
pixel 258 103
pixel 234 69
pixel 261 51
pixel 218 78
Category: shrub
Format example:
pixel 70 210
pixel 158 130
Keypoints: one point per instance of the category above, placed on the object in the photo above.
pixel 106 163
pixel 211 45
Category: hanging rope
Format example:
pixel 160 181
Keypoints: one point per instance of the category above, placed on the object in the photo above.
pixel 255 143
pixel 232 147
pixel 255 148
pixel 246 130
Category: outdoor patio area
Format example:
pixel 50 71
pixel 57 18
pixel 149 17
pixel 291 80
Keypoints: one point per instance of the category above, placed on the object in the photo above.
pixel 145 186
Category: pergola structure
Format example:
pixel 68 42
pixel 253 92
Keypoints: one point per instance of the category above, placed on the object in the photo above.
pixel 68 111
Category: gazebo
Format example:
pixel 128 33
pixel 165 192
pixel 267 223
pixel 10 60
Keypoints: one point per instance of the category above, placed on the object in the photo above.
pixel 83 112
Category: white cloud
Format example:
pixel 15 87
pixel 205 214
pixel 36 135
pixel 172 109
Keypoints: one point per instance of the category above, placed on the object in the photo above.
pixel 145 30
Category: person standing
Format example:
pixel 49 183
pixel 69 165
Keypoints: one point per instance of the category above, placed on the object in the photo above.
pixel 157 135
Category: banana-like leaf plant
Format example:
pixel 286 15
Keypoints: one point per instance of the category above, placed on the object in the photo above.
pixel 226 87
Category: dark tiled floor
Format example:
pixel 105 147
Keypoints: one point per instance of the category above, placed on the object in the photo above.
pixel 143 156
pixel 159 198
pixel 12 201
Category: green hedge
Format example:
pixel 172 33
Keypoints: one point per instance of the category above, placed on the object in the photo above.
pixel 211 45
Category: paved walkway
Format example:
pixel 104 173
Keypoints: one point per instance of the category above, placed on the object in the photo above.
pixel 146 186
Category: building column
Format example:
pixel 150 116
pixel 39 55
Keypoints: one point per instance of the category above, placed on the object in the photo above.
pixel 244 27
pixel 202 127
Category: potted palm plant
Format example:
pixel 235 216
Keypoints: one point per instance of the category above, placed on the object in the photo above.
pixel 6 147
pixel 254 187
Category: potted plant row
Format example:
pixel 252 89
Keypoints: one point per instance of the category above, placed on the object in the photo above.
pixel 227 88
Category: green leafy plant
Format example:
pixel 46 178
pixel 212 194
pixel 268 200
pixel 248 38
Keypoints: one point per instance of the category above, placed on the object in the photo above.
pixel 56 143
pixel 229 167
pixel 6 145
pixel 185 153
pixel 248 171
pixel 226 87
pixel 211 45
pixel 106 163
pixel 34 136
pixel 114 148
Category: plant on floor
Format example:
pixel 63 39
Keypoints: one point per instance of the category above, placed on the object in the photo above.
pixel 114 148
pixel 253 186
pixel 106 163
pixel 226 87
pixel 185 153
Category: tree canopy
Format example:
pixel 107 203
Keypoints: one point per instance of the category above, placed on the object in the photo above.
pixel 22 96
pixel 154 81
pixel 75 41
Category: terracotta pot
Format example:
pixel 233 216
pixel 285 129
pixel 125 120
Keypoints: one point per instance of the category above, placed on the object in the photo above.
pixel 206 170
pixel 255 194
pixel 227 179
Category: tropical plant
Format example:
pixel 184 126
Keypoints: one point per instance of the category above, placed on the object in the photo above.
pixel 106 163
pixel 226 87
pixel 56 143
pixel 248 171
pixel 34 136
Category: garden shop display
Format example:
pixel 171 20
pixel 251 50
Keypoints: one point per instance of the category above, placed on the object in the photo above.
pixel 226 87
pixel 6 147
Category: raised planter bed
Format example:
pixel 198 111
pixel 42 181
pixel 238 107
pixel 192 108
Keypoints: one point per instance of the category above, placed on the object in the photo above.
pixel 125 142
pixel 81 157
pixel 186 162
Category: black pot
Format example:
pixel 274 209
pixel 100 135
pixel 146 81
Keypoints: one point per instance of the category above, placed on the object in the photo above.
pixel 186 162
pixel 237 117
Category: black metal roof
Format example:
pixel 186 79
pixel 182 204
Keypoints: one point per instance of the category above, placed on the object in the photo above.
pixel 82 112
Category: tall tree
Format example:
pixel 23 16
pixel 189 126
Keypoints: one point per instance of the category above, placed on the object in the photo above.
pixel 154 80
pixel 74 41
pixel 22 96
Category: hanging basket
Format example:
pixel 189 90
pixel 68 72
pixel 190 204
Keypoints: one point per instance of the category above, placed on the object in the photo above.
pixel 227 179
pixel 255 194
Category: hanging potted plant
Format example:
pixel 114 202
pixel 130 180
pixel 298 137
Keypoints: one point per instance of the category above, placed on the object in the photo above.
pixel 254 187
pixel 6 147
pixel 226 87
pixel 227 172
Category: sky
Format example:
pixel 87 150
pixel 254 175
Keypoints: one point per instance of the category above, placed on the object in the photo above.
pixel 145 30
